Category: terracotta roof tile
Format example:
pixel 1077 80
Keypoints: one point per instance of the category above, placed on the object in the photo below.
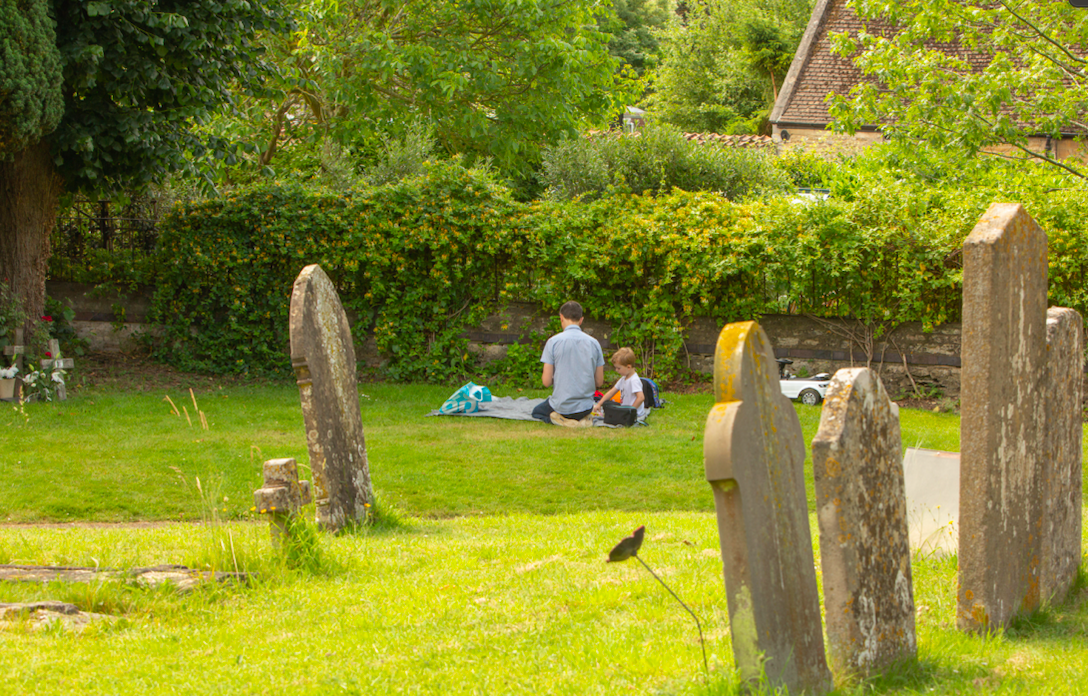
pixel 738 141
pixel 816 72
pixel 741 141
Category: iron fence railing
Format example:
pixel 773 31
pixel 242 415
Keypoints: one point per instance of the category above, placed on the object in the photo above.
pixel 86 225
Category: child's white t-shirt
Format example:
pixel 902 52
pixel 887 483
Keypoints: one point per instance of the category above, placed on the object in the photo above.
pixel 628 387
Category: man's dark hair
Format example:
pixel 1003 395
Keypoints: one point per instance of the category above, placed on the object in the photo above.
pixel 571 310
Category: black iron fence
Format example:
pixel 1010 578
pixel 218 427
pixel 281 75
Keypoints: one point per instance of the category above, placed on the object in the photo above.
pixel 86 225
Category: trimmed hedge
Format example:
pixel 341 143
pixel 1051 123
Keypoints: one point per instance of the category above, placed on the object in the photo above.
pixel 420 261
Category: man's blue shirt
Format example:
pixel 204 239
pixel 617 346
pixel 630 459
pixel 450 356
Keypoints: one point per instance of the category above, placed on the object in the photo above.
pixel 575 356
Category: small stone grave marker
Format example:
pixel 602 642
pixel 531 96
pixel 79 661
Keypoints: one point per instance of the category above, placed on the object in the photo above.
pixel 282 495
pixel 754 456
pixel 58 362
pixel 16 351
pixel 323 358
pixel 862 511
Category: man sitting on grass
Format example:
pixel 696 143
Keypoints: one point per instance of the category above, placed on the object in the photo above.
pixel 574 367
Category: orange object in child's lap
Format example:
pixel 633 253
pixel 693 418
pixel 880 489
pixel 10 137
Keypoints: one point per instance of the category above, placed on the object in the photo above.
pixel 617 398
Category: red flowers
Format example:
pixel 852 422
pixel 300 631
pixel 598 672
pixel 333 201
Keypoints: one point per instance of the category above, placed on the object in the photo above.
pixel 48 354
pixel 47 318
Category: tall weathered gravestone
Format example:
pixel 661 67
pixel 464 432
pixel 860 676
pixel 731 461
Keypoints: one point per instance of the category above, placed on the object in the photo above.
pixel 1062 476
pixel 323 357
pixel 864 538
pixel 1008 473
pixel 754 456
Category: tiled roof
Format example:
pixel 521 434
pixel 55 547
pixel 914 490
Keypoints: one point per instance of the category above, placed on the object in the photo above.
pixel 816 72
pixel 739 141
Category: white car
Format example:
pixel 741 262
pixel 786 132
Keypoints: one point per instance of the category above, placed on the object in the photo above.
pixel 810 390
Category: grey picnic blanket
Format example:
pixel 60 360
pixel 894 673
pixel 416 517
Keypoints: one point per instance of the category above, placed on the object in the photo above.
pixel 510 408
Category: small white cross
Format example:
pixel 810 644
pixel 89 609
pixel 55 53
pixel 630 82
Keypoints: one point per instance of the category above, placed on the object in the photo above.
pixel 57 362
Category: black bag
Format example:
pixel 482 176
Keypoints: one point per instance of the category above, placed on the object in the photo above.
pixel 650 397
pixel 615 414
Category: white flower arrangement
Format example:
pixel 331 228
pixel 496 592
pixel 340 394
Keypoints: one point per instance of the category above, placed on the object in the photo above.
pixel 44 383
pixel 9 372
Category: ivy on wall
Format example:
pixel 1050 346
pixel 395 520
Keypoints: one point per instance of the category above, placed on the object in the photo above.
pixel 418 262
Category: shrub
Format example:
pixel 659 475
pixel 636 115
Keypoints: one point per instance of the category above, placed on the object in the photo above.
pixel 655 160
pixel 420 261
pixel 412 261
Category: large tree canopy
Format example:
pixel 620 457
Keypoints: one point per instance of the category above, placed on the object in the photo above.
pixel 139 73
pixel 1028 75
pixel 30 95
pixel 723 62
pixel 136 75
pixel 634 26
pixel 490 78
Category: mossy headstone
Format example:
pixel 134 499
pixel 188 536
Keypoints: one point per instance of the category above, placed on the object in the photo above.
pixel 1020 466
pixel 754 456
pixel 861 505
pixel 323 358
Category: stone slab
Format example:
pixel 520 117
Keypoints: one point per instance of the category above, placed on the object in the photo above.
pixel 47 613
pixel 754 456
pixel 862 511
pixel 1003 418
pixel 1062 480
pixel 323 356
pixel 932 480
pixel 178 576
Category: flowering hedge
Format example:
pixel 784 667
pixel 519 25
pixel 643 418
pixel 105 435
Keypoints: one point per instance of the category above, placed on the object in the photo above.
pixel 420 261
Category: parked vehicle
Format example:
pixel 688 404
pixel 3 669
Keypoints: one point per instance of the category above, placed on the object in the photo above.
pixel 810 390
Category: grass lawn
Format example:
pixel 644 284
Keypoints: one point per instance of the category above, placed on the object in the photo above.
pixel 489 578
pixel 115 456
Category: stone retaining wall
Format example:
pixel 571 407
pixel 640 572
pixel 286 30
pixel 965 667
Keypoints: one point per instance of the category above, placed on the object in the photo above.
pixel 814 345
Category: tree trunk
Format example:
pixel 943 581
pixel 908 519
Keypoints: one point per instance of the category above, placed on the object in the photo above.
pixel 30 190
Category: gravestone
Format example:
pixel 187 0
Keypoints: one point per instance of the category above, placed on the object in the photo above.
pixel 1006 470
pixel 864 540
pixel 1062 480
pixel 323 358
pixel 59 362
pixel 932 480
pixel 282 495
pixel 16 351
pixel 754 456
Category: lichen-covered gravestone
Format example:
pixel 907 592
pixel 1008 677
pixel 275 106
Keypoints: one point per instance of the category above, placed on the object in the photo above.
pixel 323 357
pixel 1010 482
pixel 1062 476
pixel 754 455
pixel 864 538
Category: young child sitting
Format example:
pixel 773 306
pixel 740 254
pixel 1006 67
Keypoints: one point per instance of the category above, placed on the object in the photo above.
pixel 629 385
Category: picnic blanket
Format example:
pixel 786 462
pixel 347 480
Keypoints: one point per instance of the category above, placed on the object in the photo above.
pixel 510 408
pixel 506 407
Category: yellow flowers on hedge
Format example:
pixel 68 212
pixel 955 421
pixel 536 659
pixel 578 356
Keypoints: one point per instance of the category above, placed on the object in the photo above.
pixel 419 262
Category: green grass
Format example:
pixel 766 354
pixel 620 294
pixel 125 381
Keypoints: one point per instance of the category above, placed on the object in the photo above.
pixel 112 456
pixel 488 578
pixel 519 604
